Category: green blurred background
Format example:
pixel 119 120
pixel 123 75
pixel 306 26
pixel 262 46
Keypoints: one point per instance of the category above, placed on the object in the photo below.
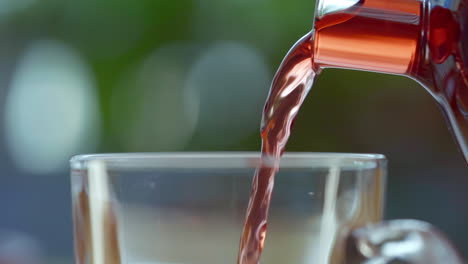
pixel 191 75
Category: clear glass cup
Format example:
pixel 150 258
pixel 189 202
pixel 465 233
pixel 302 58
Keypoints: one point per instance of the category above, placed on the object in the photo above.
pixel 189 207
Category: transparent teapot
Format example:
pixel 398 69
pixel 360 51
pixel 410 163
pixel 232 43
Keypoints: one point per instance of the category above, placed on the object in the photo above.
pixel 421 39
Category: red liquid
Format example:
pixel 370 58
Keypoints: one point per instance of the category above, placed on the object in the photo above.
pixel 288 90
pixel 372 35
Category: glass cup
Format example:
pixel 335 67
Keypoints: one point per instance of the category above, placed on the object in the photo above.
pixel 189 207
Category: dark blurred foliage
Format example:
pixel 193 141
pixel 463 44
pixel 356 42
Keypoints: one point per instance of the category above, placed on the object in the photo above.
pixel 192 75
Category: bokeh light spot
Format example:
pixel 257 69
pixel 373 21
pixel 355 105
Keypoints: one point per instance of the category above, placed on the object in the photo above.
pixel 232 82
pixel 8 7
pixel 51 108
pixel 151 109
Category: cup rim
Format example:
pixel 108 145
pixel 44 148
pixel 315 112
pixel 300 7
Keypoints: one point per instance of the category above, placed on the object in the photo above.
pixel 234 159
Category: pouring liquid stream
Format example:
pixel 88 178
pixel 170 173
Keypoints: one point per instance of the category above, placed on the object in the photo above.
pixel 289 88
